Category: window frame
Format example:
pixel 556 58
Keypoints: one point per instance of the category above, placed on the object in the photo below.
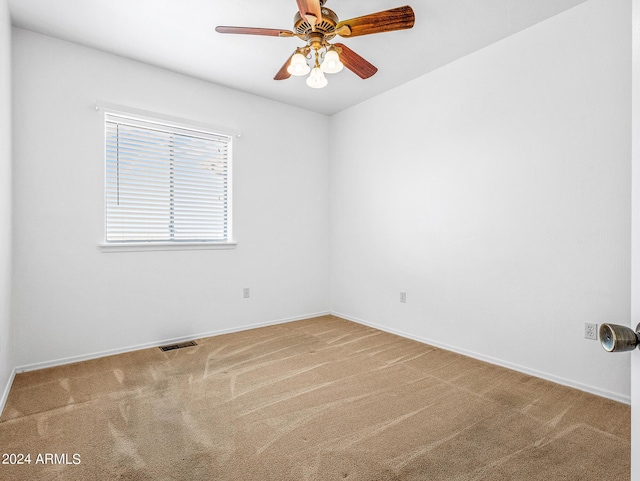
pixel 178 123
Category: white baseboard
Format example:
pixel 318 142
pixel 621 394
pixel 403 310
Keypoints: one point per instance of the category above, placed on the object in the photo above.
pixel 111 352
pixel 491 360
pixel 7 388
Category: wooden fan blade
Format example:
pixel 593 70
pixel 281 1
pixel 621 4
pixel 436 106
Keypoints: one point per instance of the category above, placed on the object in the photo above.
pixel 355 62
pixel 269 32
pixel 395 19
pixel 282 73
pixel 310 8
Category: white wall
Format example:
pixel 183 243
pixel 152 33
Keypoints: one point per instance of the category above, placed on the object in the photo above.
pixel 72 300
pixel 495 191
pixel 6 357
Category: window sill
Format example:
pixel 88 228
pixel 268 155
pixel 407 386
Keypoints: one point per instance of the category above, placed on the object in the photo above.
pixel 168 246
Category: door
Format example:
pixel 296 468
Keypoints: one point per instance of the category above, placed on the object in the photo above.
pixel 635 236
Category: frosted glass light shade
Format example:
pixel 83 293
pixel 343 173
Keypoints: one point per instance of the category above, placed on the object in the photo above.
pixel 332 63
pixel 317 80
pixel 298 65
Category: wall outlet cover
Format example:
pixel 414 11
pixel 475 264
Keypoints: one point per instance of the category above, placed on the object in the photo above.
pixel 590 331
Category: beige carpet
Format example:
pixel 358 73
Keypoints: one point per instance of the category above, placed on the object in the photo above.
pixel 320 399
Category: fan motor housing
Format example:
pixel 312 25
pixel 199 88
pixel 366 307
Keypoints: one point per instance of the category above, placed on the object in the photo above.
pixel 325 25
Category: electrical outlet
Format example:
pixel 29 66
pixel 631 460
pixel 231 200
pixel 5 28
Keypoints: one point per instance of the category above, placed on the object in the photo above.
pixel 403 297
pixel 245 292
pixel 590 331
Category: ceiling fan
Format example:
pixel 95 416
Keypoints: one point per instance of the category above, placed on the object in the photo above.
pixel 317 25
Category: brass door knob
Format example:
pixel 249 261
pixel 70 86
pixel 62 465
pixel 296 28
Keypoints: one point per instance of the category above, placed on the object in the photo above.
pixel 616 338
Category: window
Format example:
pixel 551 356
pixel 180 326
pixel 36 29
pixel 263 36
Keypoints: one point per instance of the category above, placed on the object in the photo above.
pixel 166 184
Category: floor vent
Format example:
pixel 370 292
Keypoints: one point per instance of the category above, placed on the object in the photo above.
pixel 180 345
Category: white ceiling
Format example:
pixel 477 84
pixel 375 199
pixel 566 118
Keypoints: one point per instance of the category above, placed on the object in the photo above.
pixel 179 35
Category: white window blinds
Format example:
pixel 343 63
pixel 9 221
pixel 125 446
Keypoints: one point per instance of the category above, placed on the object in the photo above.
pixel 165 184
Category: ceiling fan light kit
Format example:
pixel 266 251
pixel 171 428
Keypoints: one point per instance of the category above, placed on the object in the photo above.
pixel 316 79
pixel 298 65
pixel 331 63
pixel 316 26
